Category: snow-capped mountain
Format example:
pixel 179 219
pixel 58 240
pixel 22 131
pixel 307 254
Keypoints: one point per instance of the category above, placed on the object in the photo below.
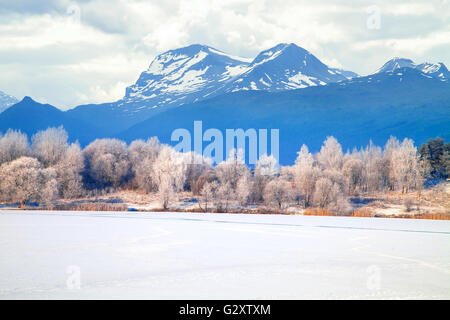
pixel 286 67
pixel 396 63
pixel 183 75
pixel 6 101
pixel 198 72
pixel 436 70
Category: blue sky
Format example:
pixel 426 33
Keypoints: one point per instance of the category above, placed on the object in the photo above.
pixel 74 52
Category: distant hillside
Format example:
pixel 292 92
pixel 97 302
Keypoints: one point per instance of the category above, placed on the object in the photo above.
pixel 30 116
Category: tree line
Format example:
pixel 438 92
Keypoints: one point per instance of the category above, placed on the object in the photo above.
pixel 50 168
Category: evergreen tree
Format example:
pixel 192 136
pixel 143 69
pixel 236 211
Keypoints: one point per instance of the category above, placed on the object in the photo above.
pixel 436 153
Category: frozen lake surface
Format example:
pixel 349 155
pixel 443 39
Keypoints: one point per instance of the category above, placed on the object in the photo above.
pixel 103 255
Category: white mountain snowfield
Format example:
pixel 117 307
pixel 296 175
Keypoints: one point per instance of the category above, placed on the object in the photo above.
pixel 438 70
pixel 198 72
pixel 6 101
pixel 220 256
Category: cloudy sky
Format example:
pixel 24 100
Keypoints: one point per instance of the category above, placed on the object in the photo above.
pixel 74 52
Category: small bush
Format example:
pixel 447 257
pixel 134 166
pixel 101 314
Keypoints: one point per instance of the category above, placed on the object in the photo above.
pixel 408 202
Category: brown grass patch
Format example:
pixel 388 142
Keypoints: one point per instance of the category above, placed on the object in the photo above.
pixel 317 212
pixel 362 212
pixel 430 216
pixel 90 206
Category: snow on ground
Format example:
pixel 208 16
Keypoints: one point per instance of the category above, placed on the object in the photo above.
pixel 220 256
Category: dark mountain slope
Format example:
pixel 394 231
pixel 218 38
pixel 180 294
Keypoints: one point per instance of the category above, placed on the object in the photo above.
pixel 30 116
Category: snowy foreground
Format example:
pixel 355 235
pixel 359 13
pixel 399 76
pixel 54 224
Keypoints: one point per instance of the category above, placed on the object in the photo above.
pixel 67 255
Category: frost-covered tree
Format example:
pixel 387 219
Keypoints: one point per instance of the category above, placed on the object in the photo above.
pixel 305 175
pixel 48 146
pixel 169 171
pixel 330 155
pixel 243 190
pixel 107 163
pixel 233 175
pixel 69 172
pixel 257 186
pixel 142 157
pixel 266 169
pixel 231 170
pixel 390 147
pixel 353 173
pixel 372 158
pixel 405 166
pixel 205 177
pixel 267 165
pixel 195 165
pixel 304 158
pixel 207 194
pixel 336 178
pixel 217 194
pixel 278 193
pixel 13 145
pixel 166 191
pixel 24 180
pixel 223 196
pixel 326 192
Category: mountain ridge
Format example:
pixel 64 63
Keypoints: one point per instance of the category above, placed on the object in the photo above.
pixel 437 70
pixel 198 72
pixel 30 116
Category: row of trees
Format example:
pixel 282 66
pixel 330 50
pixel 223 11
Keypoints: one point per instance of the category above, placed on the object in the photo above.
pixel 52 168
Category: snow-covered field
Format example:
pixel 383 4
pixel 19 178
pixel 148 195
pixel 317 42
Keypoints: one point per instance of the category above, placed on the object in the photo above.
pixel 47 255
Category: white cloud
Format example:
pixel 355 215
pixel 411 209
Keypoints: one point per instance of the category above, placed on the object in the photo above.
pixel 414 9
pixel 407 46
pixel 38 31
pixel 101 94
